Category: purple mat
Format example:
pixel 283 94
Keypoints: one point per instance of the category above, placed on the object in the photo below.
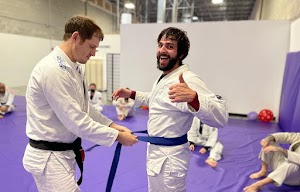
pixel 241 146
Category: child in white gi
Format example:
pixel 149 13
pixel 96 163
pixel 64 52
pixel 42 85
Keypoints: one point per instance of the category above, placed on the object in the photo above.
pixel 207 137
pixel 124 107
pixel 6 100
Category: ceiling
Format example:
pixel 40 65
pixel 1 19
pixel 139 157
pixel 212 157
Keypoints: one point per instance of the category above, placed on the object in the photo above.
pixel 205 10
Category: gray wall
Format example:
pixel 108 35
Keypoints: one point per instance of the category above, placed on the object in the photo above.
pixel 30 29
pixel 276 10
pixel 46 18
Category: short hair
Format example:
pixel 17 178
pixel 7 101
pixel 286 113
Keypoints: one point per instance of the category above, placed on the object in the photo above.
pixel 181 38
pixel 93 84
pixel 85 26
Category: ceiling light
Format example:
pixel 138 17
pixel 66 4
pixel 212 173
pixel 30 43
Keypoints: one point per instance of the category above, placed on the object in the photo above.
pixel 129 5
pixel 195 18
pixel 217 1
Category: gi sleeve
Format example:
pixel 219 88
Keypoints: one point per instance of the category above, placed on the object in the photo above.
pixel 294 157
pixel 286 137
pixel 142 98
pixel 98 116
pixel 11 96
pixel 59 88
pixel 212 111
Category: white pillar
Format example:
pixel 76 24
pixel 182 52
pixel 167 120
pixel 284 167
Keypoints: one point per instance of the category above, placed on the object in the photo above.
pixel 126 18
pixel 174 11
pixel 161 11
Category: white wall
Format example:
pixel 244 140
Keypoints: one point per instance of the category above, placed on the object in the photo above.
pixel 295 39
pixel 242 61
pixel 19 54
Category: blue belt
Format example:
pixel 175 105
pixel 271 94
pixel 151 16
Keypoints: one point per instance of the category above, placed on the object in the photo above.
pixel 162 140
pixel 153 140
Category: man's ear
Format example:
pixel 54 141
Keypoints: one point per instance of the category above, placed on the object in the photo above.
pixel 75 36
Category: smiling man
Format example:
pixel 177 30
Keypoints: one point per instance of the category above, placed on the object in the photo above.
pixel 59 113
pixel 177 96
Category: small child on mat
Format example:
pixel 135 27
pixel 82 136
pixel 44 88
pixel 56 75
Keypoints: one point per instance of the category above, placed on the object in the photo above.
pixel 124 107
pixel 6 100
pixel 206 136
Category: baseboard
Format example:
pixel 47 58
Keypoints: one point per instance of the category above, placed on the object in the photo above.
pixel 242 115
pixel 237 115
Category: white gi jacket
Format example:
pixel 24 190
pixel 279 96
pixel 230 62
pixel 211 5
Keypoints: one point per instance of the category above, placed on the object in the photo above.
pixel 58 110
pixel 167 119
pixel 208 138
pixel 96 101
pixel 284 170
pixel 292 138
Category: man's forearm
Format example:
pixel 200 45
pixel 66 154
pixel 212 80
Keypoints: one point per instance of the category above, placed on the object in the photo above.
pixel 270 138
pixel 283 151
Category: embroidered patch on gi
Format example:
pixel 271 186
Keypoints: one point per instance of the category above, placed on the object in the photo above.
pixel 61 63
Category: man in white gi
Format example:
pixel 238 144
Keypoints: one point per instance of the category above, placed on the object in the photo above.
pixel 284 164
pixel 6 100
pixel 176 97
pixel 206 137
pixel 95 97
pixel 59 113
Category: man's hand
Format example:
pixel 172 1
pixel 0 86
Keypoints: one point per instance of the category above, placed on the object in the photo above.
pixel 124 93
pixel 272 148
pixel 124 129
pixel 192 147
pixel 276 148
pixel 120 128
pixel 180 92
pixel 264 143
pixel 127 139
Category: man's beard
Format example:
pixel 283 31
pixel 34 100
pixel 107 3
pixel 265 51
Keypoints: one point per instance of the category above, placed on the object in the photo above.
pixel 169 66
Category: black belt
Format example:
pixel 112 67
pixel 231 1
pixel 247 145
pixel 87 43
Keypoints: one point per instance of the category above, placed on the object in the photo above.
pixel 54 146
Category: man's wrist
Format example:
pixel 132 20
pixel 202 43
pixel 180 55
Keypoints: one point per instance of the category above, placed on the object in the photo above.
pixel 133 93
pixel 195 103
pixel 284 151
pixel 270 138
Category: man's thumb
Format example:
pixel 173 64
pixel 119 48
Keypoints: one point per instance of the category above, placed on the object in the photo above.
pixel 181 80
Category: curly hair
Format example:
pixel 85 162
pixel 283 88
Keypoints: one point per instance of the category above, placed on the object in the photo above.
pixel 181 38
